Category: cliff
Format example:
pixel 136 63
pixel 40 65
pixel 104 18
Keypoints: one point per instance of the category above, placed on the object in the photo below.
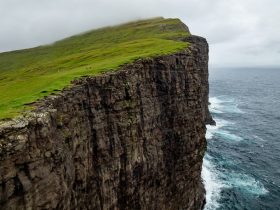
pixel 130 139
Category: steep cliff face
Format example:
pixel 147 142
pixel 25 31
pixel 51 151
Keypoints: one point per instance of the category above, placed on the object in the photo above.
pixel 132 139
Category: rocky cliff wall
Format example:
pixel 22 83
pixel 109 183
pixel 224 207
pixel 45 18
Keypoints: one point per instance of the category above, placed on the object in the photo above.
pixel 132 139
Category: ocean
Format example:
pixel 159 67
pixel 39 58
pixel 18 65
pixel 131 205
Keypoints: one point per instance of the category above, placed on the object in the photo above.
pixel 241 168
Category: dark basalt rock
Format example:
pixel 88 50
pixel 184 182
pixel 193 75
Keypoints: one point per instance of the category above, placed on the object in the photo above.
pixel 132 139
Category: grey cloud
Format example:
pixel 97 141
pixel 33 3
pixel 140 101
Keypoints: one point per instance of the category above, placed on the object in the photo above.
pixel 239 32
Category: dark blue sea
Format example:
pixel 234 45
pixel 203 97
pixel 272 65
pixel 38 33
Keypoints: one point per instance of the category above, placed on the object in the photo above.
pixel 241 169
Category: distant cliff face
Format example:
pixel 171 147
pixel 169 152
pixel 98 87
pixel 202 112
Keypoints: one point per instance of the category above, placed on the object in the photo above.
pixel 133 139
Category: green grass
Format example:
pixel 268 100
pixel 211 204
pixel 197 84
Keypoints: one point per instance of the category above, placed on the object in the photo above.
pixel 28 75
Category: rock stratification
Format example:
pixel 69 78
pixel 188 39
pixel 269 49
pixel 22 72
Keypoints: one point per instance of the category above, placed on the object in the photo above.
pixel 132 139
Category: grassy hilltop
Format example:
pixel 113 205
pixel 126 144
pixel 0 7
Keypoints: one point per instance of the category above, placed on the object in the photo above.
pixel 28 75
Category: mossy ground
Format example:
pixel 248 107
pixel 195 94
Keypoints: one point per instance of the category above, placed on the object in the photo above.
pixel 28 75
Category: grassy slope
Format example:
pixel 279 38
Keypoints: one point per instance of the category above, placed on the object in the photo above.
pixel 28 75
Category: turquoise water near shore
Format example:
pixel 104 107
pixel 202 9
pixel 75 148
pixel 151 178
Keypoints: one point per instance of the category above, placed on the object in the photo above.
pixel 241 169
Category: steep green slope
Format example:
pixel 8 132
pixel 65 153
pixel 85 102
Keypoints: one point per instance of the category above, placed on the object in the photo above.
pixel 28 75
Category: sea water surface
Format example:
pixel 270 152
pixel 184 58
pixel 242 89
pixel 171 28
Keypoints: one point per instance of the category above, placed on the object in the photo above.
pixel 241 169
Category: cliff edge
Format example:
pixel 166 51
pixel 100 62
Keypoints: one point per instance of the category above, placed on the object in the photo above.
pixel 131 139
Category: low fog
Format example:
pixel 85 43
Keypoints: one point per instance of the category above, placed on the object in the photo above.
pixel 240 33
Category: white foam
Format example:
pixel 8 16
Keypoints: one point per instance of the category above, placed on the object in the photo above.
pixel 228 136
pixel 232 108
pixel 215 105
pixel 215 101
pixel 222 104
pixel 211 130
pixel 246 183
pixel 220 123
pixel 214 180
pixel 212 184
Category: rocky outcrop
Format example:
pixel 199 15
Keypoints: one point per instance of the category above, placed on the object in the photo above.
pixel 131 139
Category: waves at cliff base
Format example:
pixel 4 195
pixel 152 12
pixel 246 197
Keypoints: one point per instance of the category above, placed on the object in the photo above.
pixel 215 176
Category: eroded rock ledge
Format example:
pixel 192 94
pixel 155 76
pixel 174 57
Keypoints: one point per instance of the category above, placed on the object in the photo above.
pixel 133 139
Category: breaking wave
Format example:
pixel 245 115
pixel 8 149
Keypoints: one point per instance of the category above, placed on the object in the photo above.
pixel 212 183
pixel 224 104
pixel 215 177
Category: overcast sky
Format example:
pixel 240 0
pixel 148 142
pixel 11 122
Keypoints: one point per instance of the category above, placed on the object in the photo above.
pixel 240 32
